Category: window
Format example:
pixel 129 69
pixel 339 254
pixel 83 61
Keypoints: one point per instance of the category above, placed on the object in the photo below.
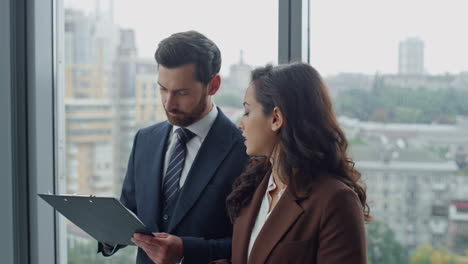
pixel 110 92
pixel 398 76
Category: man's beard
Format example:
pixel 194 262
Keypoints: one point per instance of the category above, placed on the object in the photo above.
pixel 187 118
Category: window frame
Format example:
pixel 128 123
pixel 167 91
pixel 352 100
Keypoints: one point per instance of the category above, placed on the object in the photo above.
pixel 32 144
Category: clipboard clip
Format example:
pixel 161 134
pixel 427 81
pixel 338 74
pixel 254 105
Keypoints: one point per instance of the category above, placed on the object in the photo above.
pixel 81 195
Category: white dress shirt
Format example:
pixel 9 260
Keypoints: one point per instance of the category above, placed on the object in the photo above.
pixel 263 213
pixel 200 129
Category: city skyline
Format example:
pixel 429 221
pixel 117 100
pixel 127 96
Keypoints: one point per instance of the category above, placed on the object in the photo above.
pixel 148 35
pixel 362 36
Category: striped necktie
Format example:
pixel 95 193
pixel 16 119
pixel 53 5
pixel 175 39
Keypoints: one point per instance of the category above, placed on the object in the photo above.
pixel 176 164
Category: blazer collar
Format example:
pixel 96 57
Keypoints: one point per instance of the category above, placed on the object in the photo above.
pixel 244 223
pixel 285 213
pixel 153 183
pixel 283 216
pixel 215 147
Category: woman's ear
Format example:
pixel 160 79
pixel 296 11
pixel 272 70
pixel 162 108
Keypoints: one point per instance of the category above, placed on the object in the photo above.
pixel 276 119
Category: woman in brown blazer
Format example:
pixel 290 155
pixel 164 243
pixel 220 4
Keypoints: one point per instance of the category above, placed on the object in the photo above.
pixel 300 200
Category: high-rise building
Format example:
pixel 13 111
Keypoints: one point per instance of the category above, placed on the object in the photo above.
pixel 233 86
pixel 90 49
pixel 409 190
pixel 125 66
pixel 89 147
pixel 141 106
pixel 91 42
pixel 410 181
pixel 238 78
pixel 411 57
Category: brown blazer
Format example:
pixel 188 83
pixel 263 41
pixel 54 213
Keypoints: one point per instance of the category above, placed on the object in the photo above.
pixel 327 227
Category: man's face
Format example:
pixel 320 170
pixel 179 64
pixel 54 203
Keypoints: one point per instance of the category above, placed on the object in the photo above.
pixel 184 98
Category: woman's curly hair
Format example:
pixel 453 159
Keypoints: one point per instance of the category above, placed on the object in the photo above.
pixel 310 141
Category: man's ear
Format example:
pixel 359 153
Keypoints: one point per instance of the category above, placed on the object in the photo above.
pixel 277 119
pixel 214 84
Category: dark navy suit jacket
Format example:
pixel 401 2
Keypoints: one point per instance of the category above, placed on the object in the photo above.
pixel 200 216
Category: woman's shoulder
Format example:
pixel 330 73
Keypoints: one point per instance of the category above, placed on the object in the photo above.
pixel 328 188
pixel 331 183
pixel 330 201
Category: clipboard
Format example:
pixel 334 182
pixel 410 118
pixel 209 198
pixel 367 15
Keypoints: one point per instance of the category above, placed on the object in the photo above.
pixel 106 219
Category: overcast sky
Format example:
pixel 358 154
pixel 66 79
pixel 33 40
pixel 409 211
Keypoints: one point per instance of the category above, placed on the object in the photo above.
pixel 346 36
pixel 363 35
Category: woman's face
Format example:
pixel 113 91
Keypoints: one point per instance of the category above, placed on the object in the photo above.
pixel 259 136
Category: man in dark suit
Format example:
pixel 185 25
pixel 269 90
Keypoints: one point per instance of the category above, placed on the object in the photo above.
pixel 181 170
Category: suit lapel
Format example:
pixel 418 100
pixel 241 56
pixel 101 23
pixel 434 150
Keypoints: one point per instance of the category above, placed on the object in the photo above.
pixel 244 224
pixel 210 155
pixel 154 179
pixel 278 223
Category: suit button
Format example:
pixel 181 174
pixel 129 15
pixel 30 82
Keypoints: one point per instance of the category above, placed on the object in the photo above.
pixel 165 217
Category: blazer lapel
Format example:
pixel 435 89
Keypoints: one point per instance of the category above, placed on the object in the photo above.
pixel 154 178
pixel 244 223
pixel 278 223
pixel 210 155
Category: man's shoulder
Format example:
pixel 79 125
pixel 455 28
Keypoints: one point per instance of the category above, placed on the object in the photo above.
pixel 225 124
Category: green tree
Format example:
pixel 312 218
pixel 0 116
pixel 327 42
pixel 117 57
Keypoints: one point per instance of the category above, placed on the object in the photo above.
pixel 426 254
pixel 355 103
pixel 382 246
pixel 402 104
pixel 407 114
pixel 459 100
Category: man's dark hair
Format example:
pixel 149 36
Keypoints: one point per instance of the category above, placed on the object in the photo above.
pixel 190 47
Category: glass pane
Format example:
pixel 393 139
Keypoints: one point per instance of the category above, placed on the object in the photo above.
pixel 398 74
pixel 110 84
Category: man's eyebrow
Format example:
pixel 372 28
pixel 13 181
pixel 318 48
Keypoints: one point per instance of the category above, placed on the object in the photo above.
pixel 161 85
pixel 175 91
pixel 181 90
pixel 245 103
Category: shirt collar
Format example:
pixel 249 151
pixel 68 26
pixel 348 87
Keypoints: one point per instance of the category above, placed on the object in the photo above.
pixel 202 126
pixel 272 185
